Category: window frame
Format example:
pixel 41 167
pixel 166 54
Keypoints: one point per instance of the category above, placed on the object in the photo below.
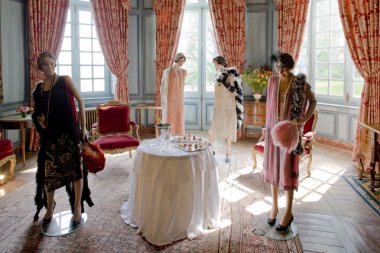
pixel 348 98
pixel 75 7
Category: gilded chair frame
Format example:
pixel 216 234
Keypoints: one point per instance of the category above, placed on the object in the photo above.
pixel 308 145
pixel 12 163
pixel 134 129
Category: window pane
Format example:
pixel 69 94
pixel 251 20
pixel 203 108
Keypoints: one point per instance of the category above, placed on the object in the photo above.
pixel 358 87
pixel 85 58
pixel 321 87
pixel 323 24
pixel 65 58
pixel 64 70
pixel 85 45
pixel 66 44
pixel 337 39
pixel 86 85
pixel 85 71
pixel 337 55
pixel 98 84
pixel 323 8
pixel 85 31
pixel 94 34
pixel 322 55
pixel 68 19
pixel 322 71
pixel 67 30
pixel 357 75
pixel 337 71
pixel 357 84
pixel 95 46
pixel 334 7
pixel 191 1
pixel 189 46
pixel 84 17
pixel 336 88
pixel 98 71
pixel 336 24
pixel 323 39
pixel 98 58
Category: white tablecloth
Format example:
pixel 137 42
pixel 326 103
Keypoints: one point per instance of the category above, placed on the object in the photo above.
pixel 173 193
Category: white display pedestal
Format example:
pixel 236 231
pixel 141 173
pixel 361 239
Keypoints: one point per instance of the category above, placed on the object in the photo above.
pixel 62 224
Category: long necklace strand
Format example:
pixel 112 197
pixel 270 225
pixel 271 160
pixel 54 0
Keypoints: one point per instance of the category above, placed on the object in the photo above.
pixel 48 107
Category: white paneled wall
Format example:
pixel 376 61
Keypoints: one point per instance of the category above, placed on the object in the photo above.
pixel 337 123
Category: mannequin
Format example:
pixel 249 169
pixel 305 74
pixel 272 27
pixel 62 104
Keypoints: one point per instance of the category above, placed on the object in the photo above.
pixel 172 95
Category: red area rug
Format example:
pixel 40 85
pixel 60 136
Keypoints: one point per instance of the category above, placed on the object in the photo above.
pixel 106 232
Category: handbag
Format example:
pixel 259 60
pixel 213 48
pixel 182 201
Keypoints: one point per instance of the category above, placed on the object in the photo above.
pixel 93 157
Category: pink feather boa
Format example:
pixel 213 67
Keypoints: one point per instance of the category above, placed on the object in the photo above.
pixel 285 135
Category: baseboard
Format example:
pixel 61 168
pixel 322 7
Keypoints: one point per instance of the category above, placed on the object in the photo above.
pixel 335 143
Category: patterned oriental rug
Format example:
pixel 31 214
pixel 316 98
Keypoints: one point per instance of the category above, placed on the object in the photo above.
pixel 362 188
pixel 240 189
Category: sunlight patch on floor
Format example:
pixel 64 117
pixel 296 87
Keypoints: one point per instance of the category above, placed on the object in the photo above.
pixel 312 197
pixel 230 192
pixel 2 193
pixel 27 171
pixel 259 207
pixel 223 224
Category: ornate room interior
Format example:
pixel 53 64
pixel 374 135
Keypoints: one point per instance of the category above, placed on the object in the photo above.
pixel 116 53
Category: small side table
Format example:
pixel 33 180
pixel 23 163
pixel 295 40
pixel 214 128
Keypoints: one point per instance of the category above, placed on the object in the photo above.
pixel 371 150
pixel 17 122
pixel 141 107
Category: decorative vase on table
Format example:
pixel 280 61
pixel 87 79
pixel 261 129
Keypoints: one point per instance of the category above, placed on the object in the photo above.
pixel 23 114
pixel 257 96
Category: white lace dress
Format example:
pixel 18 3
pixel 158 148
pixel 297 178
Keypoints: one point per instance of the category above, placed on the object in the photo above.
pixel 224 119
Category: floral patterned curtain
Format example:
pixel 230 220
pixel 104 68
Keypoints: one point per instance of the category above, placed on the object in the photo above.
pixel 228 18
pixel 291 20
pixel 47 20
pixel 360 19
pixel 168 28
pixel 111 21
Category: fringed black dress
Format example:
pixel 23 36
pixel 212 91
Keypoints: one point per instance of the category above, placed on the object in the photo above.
pixel 59 157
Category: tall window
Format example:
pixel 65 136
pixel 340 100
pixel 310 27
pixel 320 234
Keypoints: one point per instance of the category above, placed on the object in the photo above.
pixel 326 59
pixel 80 55
pixel 197 42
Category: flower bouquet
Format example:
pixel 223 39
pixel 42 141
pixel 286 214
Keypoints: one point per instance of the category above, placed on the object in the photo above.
pixel 23 110
pixel 257 78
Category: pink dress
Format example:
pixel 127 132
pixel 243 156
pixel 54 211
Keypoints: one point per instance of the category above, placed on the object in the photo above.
pixel 173 107
pixel 282 168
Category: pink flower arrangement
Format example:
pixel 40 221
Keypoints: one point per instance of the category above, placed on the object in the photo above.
pixel 23 109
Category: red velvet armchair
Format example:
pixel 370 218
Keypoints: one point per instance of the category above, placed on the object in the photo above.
pixel 7 155
pixel 308 139
pixel 115 132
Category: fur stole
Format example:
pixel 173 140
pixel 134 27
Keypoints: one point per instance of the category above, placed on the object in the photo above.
pixel 286 134
pixel 233 84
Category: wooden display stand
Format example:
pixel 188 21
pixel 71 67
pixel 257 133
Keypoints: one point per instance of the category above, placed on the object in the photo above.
pixel 254 115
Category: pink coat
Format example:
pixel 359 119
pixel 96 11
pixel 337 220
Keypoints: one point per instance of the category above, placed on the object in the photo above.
pixel 282 168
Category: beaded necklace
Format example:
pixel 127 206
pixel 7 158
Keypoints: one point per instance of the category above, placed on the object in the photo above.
pixel 48 105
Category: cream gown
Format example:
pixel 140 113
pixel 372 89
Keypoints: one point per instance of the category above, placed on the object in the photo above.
pixel 224 118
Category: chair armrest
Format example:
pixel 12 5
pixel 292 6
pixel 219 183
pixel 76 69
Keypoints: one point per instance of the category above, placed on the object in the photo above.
pixel 262 138
pixel 94 132
pixel 132 123
pixel 135 130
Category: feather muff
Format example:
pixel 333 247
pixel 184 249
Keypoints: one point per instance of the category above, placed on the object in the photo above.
pixel 285 135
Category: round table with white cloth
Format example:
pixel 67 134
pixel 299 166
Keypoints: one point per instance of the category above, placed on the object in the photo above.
pixel 173 193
